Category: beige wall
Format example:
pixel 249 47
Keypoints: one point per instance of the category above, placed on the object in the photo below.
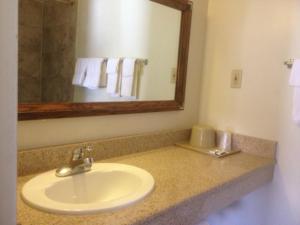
pixel 52 132
pixel 8 114
pixel 244 35
pixel 256 36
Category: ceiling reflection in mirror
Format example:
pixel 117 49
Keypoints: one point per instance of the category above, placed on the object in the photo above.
pixel 97 51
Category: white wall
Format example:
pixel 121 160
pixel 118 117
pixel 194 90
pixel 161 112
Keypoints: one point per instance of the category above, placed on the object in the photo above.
pixel 256 36
pixel 52 132
pixel 8 117
pixel 132 28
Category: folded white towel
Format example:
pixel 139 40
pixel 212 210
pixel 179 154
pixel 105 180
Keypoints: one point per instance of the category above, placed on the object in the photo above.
pixel 128 67
pixel 131 71
pixel 80 72
pixel 113 76
pixel 127 86
pixel 128 75
pixel 112 65
pixel 112 84
pixel 295 81
pixel 94 73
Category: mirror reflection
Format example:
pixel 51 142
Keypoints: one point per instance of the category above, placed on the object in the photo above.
pixel 97 51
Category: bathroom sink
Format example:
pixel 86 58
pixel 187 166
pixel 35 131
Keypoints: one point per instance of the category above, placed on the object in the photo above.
pixel 107 186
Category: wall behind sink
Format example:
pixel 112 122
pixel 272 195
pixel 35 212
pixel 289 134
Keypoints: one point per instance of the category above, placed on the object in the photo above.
pixel 60 131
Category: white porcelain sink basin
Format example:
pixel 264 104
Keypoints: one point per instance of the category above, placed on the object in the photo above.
pixel 108 186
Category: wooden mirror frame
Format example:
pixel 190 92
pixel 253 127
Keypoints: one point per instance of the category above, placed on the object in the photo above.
pixel 64 110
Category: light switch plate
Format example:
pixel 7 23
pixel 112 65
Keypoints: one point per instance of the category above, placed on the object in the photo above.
pixel 236 78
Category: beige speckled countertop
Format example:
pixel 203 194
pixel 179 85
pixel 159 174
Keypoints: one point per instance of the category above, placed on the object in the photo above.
pixel 189 186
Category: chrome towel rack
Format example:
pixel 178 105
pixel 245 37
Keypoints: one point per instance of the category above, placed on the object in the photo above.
pixel 144 61
pixel 289 63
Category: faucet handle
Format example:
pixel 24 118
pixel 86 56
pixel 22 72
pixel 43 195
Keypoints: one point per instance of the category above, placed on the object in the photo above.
pixel 88 159
pixel 89 149
pixel 82 152
pixel 78 154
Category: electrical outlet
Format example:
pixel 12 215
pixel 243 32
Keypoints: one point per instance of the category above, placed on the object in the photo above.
pixel 236 78
pixel 173 75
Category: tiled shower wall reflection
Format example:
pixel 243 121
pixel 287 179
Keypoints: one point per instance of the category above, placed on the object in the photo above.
pixel 47 41
pixel 30 50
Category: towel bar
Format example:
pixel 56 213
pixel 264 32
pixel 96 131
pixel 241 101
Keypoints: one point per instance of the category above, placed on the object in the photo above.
pixel 289 63
pixel 145 61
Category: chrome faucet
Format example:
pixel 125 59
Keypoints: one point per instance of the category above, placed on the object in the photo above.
pixel 80 162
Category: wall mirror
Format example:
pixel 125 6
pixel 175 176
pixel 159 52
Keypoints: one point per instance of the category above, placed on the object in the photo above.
pixel 99 57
